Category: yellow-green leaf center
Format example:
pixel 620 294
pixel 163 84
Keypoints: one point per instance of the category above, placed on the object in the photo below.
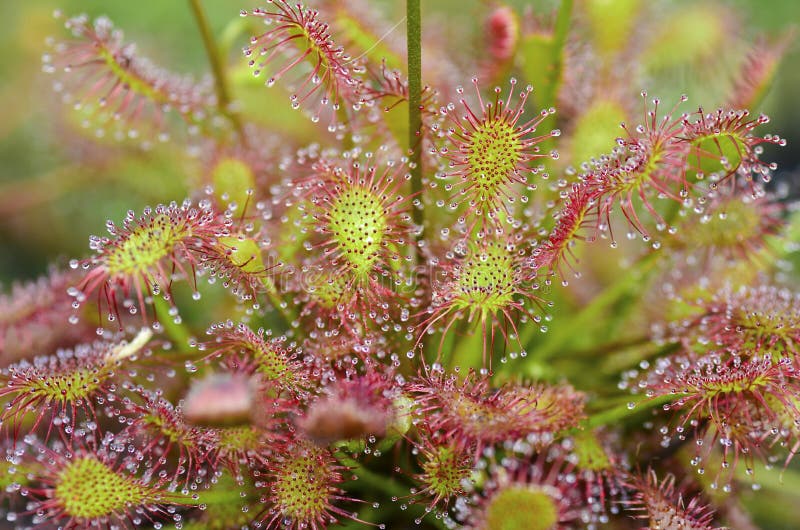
pixel 358 223
pixel 492 156
pixel 521 508
pixel 88 489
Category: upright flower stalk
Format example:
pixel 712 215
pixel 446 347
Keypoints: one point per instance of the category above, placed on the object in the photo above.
pixel 414 51
pixel 217 67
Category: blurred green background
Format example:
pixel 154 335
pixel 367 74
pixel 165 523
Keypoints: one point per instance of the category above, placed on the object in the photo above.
pixel 50 201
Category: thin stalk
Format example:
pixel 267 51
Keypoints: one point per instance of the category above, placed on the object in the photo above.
pixel 610 347
pixel 177 332
pixel 561 31
pixel 341 115
pixel 217 69
pixel 467 349
pixel 414 49
pixel 616 414
pixel 414 63
pixel 547 95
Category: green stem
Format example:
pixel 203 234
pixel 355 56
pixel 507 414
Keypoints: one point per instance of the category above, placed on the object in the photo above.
pixel 467 349
pixel 546 93
pixel 556 66
pixel 231 33
pixel 414 48
pixel 610 347
pixel 616 414
pixel 217 69
pixel 561 32
pixel 341 115
pixel 178 333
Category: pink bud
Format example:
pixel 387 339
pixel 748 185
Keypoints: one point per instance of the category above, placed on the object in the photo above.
pixel 501 30
pixel 219 399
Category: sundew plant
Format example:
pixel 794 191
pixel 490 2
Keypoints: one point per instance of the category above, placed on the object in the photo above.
pixel 512 276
